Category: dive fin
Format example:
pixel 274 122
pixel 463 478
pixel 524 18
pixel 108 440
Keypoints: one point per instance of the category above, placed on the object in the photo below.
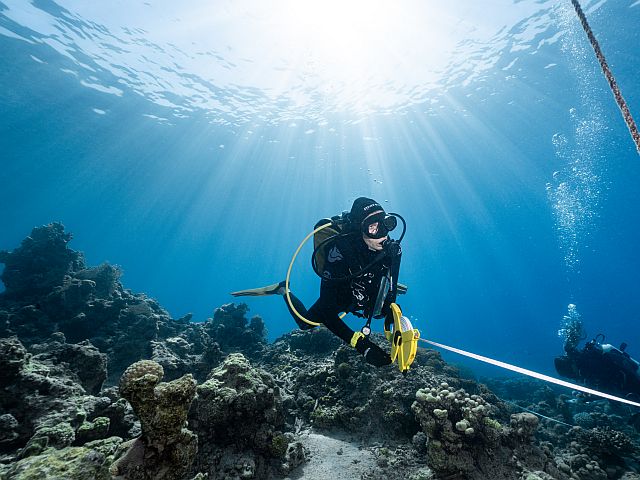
pixel 260 291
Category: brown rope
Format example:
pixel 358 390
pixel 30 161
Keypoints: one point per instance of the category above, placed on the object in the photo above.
pixel 633 129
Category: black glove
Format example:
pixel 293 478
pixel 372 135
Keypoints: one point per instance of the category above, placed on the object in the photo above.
pixel 392 248
pixel 372 353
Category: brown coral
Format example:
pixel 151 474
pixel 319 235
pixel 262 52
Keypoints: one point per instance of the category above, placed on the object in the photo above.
pixel 165 447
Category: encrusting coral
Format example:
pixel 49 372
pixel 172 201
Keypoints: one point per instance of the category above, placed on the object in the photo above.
pixel 165 449
pixel 50 290
pixel 457 425
pixel 43 396
pixel 238 416
pixel 61 415
pixel 91 461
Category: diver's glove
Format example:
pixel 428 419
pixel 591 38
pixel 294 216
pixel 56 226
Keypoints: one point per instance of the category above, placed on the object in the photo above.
pixel 371 352
pixel 392 248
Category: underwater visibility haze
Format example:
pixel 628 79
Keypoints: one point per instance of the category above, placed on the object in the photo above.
pixel 196 144
pixel 196 147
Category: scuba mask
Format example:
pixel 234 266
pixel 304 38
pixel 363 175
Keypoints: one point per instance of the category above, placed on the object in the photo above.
pixel 378 225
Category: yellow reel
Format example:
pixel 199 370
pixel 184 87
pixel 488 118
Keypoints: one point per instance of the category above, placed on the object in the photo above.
pixel 404 339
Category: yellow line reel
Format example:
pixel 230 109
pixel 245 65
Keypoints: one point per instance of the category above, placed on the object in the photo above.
pixel 404 339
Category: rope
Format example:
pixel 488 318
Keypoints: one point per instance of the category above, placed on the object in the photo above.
pixel 536 413
pixel 531 373
pixel 626 114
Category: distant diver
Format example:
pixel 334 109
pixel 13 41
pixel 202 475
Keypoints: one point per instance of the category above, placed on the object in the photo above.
pixel 359 266
pixel 598 365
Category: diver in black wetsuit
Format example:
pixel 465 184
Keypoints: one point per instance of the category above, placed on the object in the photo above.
pixel 601 366
pixel 346 255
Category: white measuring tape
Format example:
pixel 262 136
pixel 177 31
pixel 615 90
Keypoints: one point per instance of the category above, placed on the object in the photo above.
pixel 531 373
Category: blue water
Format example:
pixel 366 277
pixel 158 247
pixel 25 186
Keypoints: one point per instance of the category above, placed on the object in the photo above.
pixel 195 146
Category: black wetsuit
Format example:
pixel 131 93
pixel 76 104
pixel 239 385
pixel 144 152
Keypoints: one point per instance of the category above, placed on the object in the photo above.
pixel 346 256
pixel 602 367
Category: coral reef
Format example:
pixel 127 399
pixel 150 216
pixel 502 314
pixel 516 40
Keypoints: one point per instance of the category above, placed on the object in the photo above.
pixel 71 463
pixel 82 359
pixel 233 332
pixel 603 447
pixel 464 436
pixel 165 449
pixel 239 419
pixel 50 289
pixel 40 264
pixel 589 439
pixel 214 400
pixel 336 389
pixel 44 397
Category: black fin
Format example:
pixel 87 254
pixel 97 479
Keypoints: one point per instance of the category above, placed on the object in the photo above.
pixel 260 291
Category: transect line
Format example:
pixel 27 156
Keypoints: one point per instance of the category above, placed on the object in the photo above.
pixel 531 373
pixel 536 413
pixel 633 129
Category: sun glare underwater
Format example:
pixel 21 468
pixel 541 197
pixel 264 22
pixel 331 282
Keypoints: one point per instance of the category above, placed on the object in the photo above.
pixel 196 144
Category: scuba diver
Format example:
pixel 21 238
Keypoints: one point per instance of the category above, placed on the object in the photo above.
pixel 600 366
pixel 359 266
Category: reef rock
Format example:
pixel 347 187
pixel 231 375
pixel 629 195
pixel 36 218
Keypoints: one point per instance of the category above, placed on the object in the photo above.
pixel 83 360
pixel 13 357
pixel 239 420
pixel 602 444
pixel 234 333
pixel 43 400
pixel 165 449
pixel 465 437
pixel 40 263
pixel 337 389
pixel 90 461
pixel 49 289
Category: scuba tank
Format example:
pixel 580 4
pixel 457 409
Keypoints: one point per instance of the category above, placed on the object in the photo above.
pixel 336 226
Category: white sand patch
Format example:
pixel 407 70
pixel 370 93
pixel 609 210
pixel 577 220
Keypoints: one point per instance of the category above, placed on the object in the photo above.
pixel 332 458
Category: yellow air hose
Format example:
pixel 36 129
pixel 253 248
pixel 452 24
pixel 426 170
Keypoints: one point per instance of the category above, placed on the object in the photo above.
pixel 286 284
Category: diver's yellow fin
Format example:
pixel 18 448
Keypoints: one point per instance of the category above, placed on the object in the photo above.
pixel 260 291
pixel 404 340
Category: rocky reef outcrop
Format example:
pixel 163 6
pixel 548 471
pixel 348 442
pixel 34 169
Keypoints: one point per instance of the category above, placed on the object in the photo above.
pixel 48 399
pixel 91 461
pixel 239 417
pixel 40 264
pixel 464 436
pixel 588 438
pixel 99 382
pixel 432 423
pixel 165 449
pixel 50 289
